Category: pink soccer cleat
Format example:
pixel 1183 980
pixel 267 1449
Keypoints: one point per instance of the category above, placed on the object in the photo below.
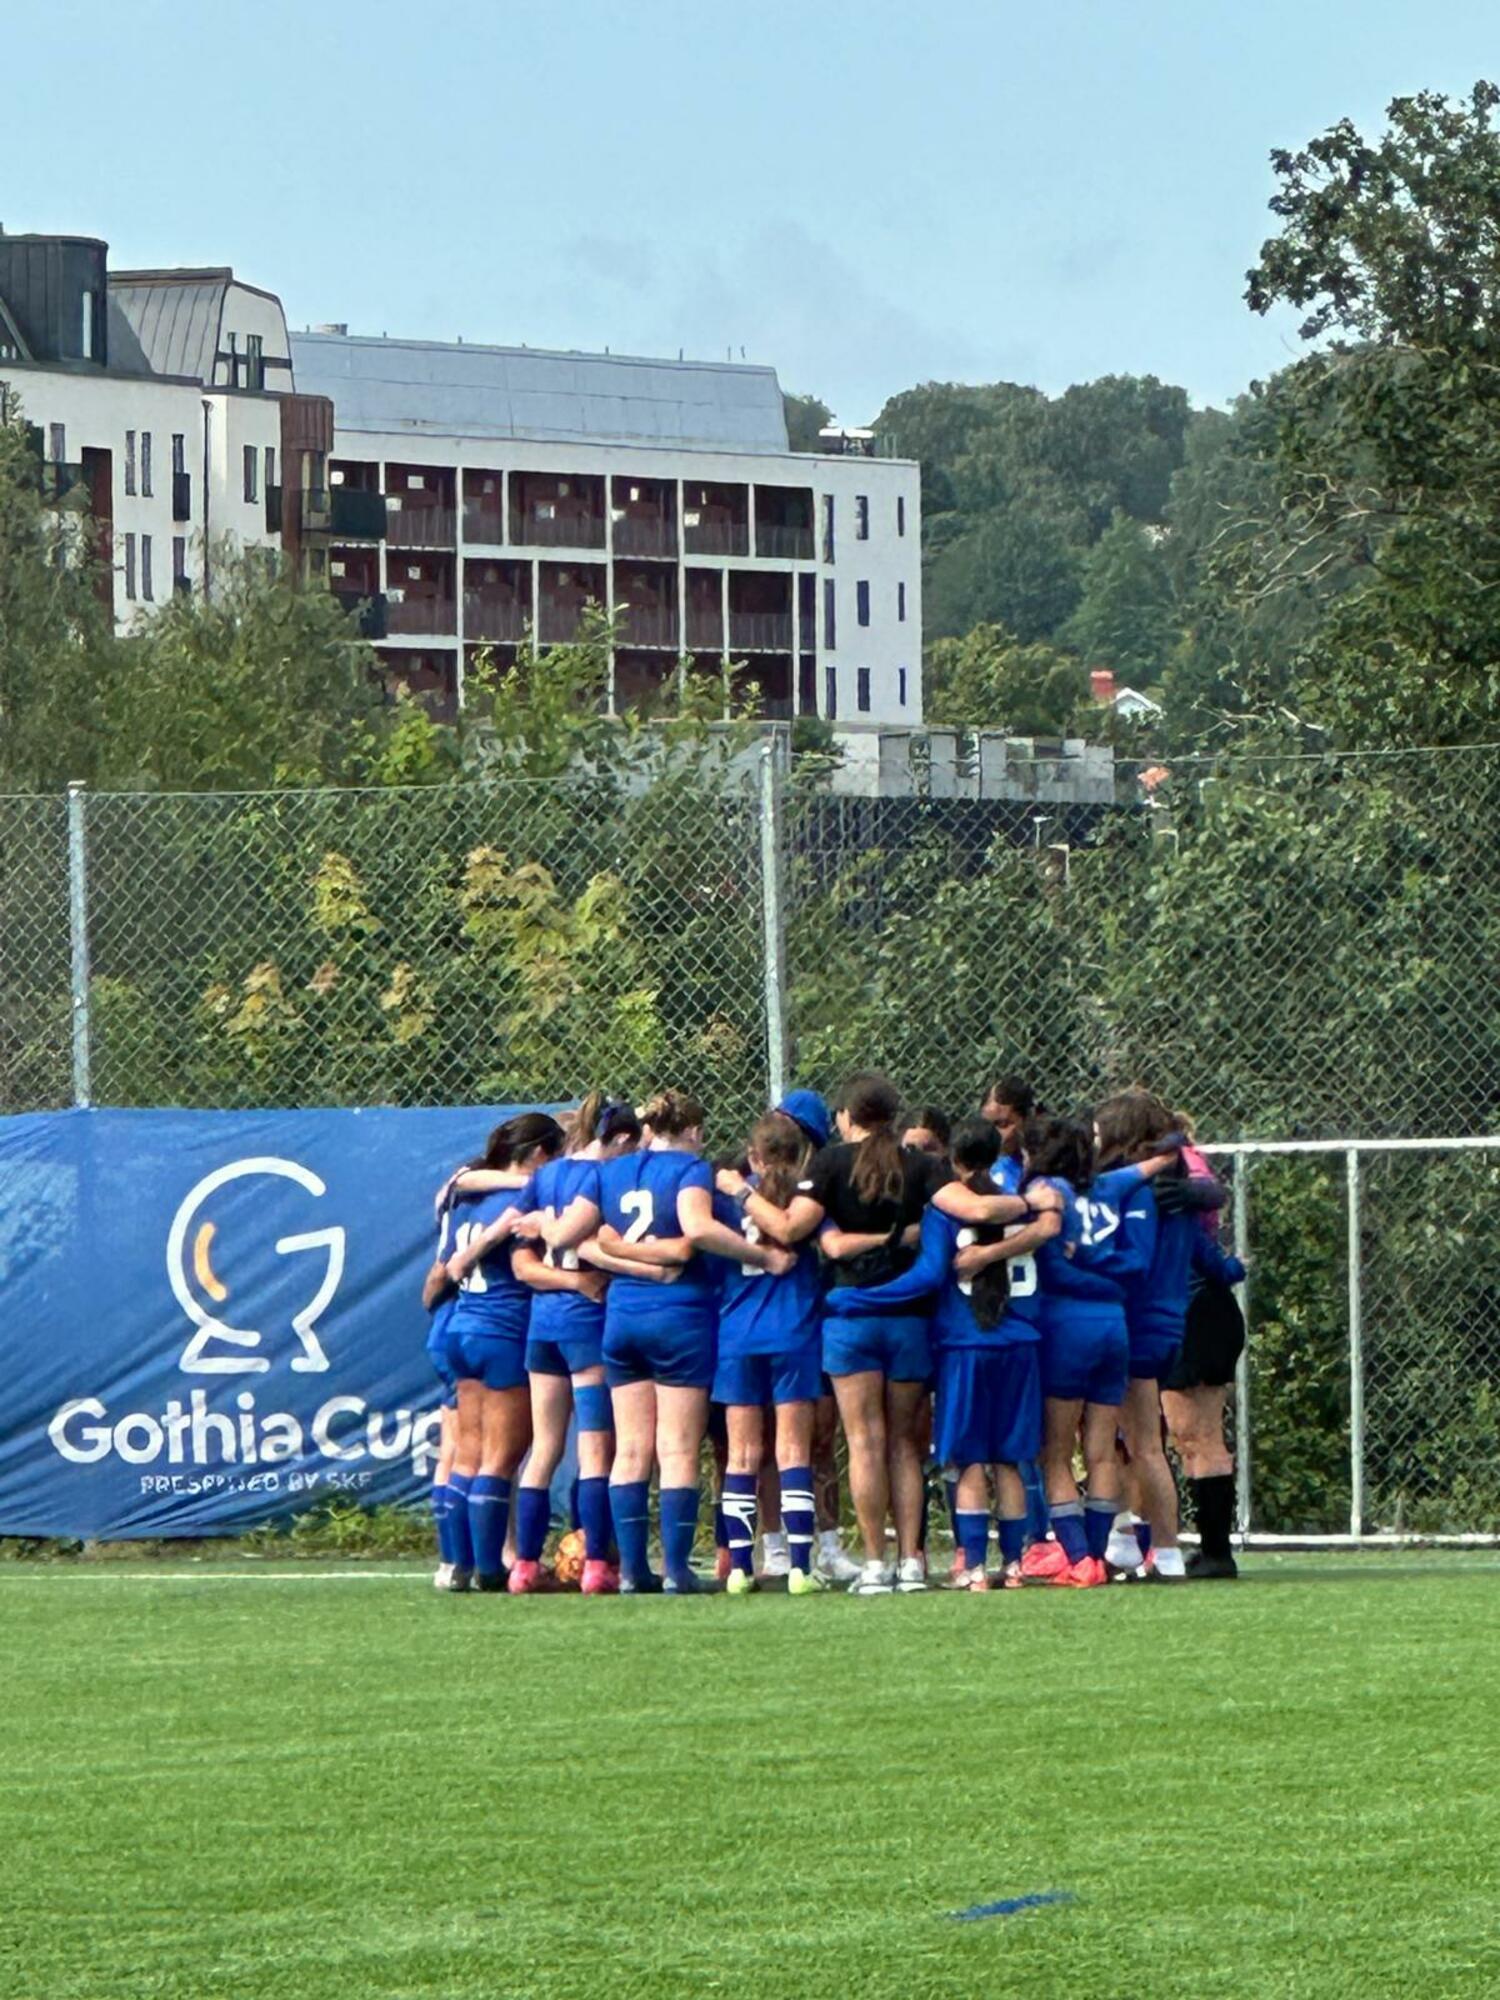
pixel 1084 1575
pixel 1044 1562
pixel 525 1577
pixel 600 1579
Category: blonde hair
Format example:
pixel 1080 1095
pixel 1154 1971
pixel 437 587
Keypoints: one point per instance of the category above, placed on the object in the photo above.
pixel 672 1112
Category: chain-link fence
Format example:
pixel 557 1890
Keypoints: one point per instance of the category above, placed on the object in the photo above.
pixel 1298 949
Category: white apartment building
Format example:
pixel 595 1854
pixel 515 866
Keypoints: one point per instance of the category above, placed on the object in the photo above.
pixel 158 402
pixel 468 498
pixel 521 486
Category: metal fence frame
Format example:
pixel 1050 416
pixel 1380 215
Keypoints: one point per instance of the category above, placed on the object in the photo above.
pixel 769 792
pixel 1352 1150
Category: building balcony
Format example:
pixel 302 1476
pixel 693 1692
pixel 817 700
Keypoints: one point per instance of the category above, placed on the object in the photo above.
pixel 358 516
pixel 314 513
pixel 791 544
pixel 420 527
pixel 638 535
pixel 422 615
pixel 716 538
pixel 705 631
pixel 567 531
pixel 182 496
pixel 483 524
pixel 492 618
pixel 371 611
pixel 760 632
pixel 646 625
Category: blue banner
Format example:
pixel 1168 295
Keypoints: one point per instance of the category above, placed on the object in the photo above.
pixel 209 1319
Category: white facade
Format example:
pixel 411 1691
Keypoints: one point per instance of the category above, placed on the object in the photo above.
pixel 159 528
pixel 864 631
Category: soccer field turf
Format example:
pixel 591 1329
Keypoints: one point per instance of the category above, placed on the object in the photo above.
pixel 246 1782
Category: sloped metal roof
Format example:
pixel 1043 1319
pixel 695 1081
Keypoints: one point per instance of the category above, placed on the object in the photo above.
pixel 176 319
pixel 429 387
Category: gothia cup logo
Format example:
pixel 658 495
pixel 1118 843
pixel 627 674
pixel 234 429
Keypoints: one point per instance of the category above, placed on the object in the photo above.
pixel 193 1278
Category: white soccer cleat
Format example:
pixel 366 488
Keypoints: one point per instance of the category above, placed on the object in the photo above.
pixel 775 1554
pixel 442 1577
pixel 1124 1551
pixel 833 1561
pixel 875 1579
pixel 911 1575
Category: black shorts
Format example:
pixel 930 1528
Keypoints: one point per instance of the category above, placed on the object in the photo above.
pixel 1212 1343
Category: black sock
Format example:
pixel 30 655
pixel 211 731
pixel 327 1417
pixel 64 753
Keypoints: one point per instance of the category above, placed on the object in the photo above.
pixel 1213 1502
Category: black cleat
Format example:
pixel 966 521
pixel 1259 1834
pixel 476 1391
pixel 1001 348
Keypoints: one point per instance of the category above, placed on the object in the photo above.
pixel 1205 1568
pixel 491 1585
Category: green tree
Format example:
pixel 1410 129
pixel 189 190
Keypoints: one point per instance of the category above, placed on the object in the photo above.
pixel 1017 567
pixel 989 680
pixel 1387 437
pixel 805 417
pixel 265 683
pixel 57 645
pixel 1125 616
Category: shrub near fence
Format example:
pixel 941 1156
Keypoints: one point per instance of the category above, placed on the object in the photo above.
pixel 1304 947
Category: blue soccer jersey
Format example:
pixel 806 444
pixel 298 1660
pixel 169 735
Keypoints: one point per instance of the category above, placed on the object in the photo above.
pixel 491 1298
pixel 553 1189
pixel 932 1280
pixel 759 1313
pixel 638 1197
pixel 1119 1226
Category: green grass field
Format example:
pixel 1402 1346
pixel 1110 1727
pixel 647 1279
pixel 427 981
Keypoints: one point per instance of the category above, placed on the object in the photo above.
pixel 256 1780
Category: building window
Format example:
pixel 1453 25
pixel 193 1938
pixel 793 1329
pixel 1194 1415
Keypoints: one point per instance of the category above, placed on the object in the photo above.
pixel 830 623
pixel 862 690
pixel 179 453
pixel 831 693
pixel 130 568
pixel 57 441
pixel 145 465
pixel 146 591
pixel 861 517
pixel 862 603
pixel 129 462
pixel 270 466
pixel 88 326
pixel 255 366
pixel 828 527
pixel 901 602
pixel 252 465
pixel 900 513
pixel 179 564
pixel 901 687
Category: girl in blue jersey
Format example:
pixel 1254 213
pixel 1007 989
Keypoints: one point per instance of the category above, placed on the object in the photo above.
pixel 659 1344
pixel 487 1341
pixel 770 1352
pixel 862 1197
pixel 1106 1237
pixel 564 1342
pixel 455 1554
pixel 1131 1127
pixel 986 1332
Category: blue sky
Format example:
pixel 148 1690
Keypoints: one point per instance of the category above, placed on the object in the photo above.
pixel 867 196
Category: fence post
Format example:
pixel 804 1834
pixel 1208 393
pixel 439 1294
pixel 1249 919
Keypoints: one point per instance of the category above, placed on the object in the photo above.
pixel 773 921
pixel 1242 1370
pixel 1356 1355
pixel 78 939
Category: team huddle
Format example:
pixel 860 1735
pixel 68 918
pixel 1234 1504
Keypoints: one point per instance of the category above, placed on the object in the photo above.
pixel 1015 1299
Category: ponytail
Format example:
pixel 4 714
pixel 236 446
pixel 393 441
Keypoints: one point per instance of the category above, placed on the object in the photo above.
pixel 871 1101
pixel 781 1146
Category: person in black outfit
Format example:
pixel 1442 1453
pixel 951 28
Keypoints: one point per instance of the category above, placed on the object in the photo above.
pixel 864 1196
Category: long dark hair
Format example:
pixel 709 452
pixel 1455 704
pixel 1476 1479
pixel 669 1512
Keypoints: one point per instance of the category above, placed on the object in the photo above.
pixel 872 1101
pixel 1129 1125
pixel 530 1132
pixel 1060 1149
pixel 781 1146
